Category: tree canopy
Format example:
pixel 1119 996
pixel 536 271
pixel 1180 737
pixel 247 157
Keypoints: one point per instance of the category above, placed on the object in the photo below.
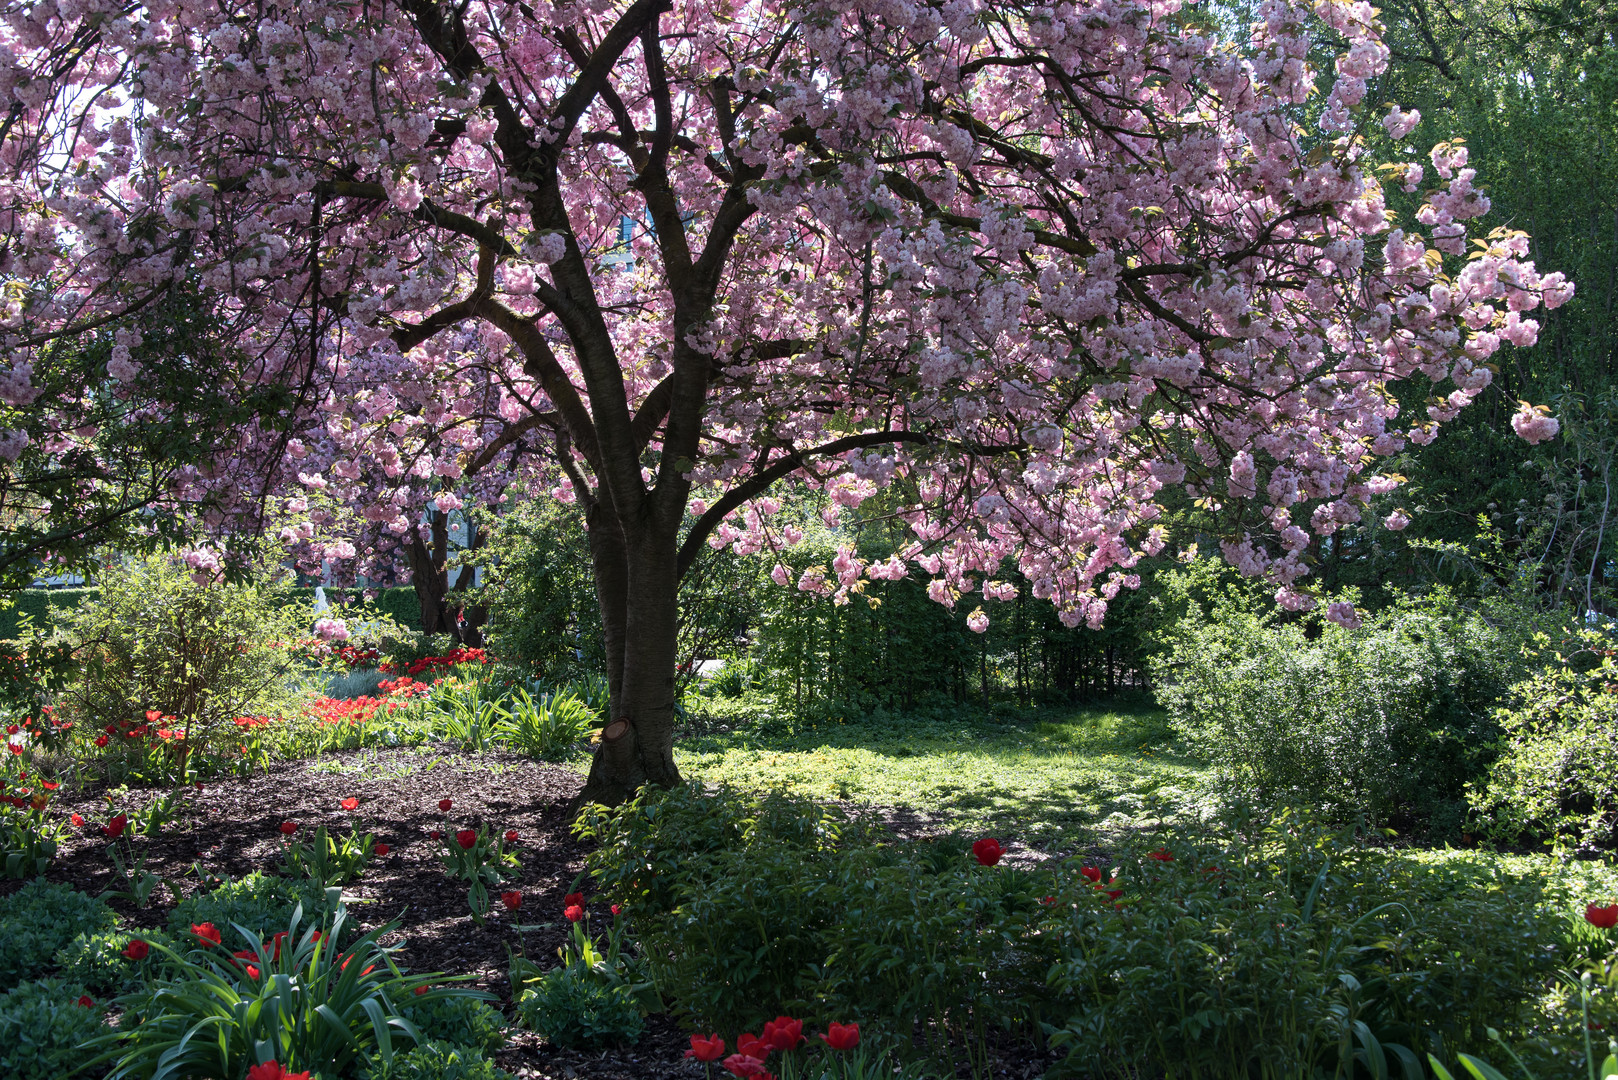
pixel 1018 267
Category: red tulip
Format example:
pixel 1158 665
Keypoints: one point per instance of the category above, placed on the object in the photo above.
pixel 420 990
pixel 85 1001
pixel 573 899
pixel 1092 872
pixel 207 932
pixel 78 822
pixel 115 828
pixel 137 949
pixel 512 900
pixel 350 804
pixel 1604 917
pixel 617 910
pixel 434 835
pixel 445 804
pixel 1161 855
pixel 745 1066
pixel 842 1036
pixel 382 849
pixel 783 1033
pixel 750 1045
pixel 573 912
pixel 988 851
pixel 466 838
pixel 511 836
pixel 288 828
pixel 710 1049
pixel 272 1071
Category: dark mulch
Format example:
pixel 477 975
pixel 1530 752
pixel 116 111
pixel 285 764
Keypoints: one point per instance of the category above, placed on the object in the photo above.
pixel 231 828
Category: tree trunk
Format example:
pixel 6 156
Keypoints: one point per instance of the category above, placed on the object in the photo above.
pixel 637 582
pixel 429 579
pixel 429 575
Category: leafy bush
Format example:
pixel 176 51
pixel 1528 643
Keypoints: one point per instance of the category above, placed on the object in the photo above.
pixel 436 1061
pixel 461 1021
pixel 1230 954
pixel 296 999
pixel 572 1008
pixel 260 902
pixel 41 918
pixel 200 655
pixel 1384 723
pixel 1556 778
pixel 45 1029
pixel 97 960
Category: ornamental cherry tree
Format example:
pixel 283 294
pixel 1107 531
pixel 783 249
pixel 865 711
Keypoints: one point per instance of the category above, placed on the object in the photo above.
pixel 1018 266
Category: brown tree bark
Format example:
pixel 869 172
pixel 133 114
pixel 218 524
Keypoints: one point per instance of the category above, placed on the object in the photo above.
pixel 637 583
pixel 429 575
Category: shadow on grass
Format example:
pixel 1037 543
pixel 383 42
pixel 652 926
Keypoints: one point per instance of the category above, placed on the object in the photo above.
pixel 1034 775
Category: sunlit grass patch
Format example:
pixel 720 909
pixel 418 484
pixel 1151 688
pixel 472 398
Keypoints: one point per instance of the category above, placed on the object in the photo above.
pixel 1032 780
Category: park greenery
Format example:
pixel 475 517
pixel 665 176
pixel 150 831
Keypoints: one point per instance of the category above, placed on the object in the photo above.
pixel 1068 541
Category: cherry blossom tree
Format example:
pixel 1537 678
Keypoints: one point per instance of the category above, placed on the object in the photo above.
pixel 1018 266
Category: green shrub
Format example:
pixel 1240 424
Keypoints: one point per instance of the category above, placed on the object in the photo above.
pixel 1556 778
pixel 97 960
pixel 1243 953
pixel 45 1029
pixel 259 902
pixel 302 1002
pixel 572 1008
pixel 41 918
pixel 436 1061
pixel 461 1021
pixel 200 654
pixel 1384 723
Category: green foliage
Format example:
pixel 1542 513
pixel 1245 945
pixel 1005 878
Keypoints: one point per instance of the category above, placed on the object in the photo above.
pixel 201 655
pixel 572 1008
pixel 1556 778
pixel 891 647
pixel 399 603
pixel 1241 954
pixel 44 1029
pixel 40 608
pixel 1384 723
pixel 357 683
pixel 262 903
pixel 96 960
pixel 547 725
pixel 298 1001
pixel 123 487
pixel 401 651
pixel 436 1061
pixel 460 1021
pixel 28 841
pixel 41 918
pixel 328 860
pixel 543 614
pixel 481 864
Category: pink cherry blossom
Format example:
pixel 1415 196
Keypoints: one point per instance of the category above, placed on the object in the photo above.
pixel 1015 270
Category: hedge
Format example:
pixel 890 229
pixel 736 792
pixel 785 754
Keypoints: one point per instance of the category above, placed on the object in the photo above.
pixel 43 604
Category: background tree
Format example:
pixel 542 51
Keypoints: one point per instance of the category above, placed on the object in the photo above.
pixel 1020 266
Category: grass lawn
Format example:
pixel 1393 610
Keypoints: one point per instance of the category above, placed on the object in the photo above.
pixel 1082 772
